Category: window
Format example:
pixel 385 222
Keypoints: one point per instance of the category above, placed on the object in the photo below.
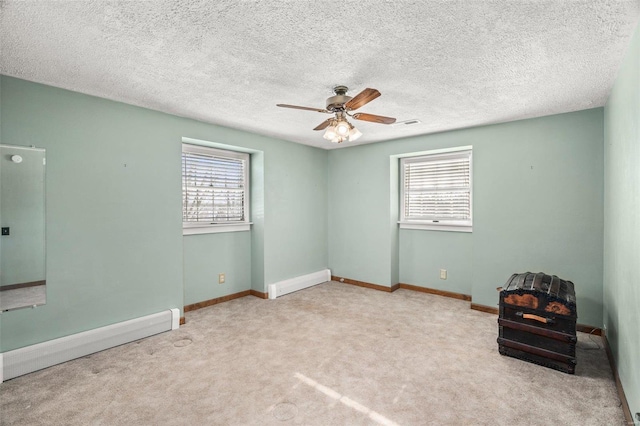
pixel 215 190
pixel 436 191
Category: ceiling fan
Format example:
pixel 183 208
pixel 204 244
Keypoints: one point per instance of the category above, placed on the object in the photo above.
pixel 338 129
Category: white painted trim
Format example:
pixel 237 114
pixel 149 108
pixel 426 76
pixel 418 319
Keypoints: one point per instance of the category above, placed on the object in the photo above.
pixel 433 227
pixel 216 228
pixel 298 283
pixel 42 355
pixel 208 150
pixel 30 148
pixel 218 145
pixel 1 368
pixel 175 318
pixel 435 151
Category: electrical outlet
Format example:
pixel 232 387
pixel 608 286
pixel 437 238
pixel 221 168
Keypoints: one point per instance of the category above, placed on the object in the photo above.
pixel 443 274
pixel 221 278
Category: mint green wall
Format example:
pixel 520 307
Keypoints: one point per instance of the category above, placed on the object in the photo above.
pixel 204 267
pixel 424 253
pixel 295 216
pixel 114 226
pixel 359 213
pixel 257 217
pixel 394 216
pixel 113 249
pixel 22 191
pixel 297 246
pixel 537 206
pixel 622 223
pixel 207 255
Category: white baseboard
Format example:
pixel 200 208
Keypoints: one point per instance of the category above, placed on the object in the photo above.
pixel 42 355
pixel 298 283
pixel 175 318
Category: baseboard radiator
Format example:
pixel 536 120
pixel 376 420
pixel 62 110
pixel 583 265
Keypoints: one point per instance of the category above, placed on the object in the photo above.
pixel 42 355
pixel 298 283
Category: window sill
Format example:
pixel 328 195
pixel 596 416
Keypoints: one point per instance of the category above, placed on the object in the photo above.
pixel 217 228
pixel 435 227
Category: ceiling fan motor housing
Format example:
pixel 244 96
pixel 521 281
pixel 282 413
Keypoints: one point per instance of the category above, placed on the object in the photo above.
pixel 336 103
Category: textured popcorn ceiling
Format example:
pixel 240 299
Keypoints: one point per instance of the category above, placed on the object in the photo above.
pixel 449 64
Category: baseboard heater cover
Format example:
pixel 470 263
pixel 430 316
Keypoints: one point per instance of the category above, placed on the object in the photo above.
pixel 46 354
pixel 298 283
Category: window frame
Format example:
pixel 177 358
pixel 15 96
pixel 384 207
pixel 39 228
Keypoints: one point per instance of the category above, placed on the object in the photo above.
pixel 191 228
pixel 436 224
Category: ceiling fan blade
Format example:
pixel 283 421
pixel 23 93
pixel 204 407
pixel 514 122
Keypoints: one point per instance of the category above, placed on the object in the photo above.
pixel 324 124
pixel 301 107
pixel 362 98
pixel 373 118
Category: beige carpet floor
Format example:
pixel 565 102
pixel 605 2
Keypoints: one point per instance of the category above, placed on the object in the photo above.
pixel 333 354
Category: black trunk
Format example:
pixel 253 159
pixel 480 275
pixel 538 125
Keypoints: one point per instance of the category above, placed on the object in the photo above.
pixel 538 320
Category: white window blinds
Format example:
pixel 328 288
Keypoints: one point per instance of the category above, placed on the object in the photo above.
pixel 214 186
pixel 437 188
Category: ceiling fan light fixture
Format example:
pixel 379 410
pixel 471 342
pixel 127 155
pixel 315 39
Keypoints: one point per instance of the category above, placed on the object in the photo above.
pixel 343 128
pixel 354 134
pixel 330 134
